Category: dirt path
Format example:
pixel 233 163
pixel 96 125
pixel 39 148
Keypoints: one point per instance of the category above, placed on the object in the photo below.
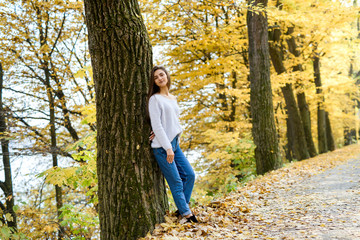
pixel 318 198
pixel 325 206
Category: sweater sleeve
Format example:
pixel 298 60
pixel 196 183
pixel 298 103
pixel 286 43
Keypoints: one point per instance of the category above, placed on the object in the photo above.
pixel 155 118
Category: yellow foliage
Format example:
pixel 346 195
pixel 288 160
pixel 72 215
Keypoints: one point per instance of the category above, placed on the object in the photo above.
pixel 59 176
pixel 89 112
pixel 43 40
pixel 204 46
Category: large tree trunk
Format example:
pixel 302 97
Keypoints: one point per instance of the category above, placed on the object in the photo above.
pixel 6 186
pixel 301 98
pixel 132 194
pixel 267 152
pixel 322 140
pixel 295 128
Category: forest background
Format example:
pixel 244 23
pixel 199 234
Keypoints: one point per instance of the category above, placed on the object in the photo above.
pixel 48 100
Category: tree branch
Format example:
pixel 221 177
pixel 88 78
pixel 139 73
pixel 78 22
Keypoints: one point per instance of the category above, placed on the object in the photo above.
pixel 4 187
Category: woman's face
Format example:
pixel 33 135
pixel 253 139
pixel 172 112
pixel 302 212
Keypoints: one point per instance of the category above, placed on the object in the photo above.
pixel 160 78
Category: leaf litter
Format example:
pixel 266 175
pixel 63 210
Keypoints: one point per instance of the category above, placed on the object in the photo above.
pixel 282 204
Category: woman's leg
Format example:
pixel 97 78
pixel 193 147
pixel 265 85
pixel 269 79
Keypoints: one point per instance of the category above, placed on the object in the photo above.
pixel 186 172
pixel 171 174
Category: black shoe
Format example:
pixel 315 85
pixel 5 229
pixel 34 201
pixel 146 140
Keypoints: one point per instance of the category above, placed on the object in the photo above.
pixel 177 213
pixel 192 219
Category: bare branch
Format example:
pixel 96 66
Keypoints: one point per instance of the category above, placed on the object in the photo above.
pixel 59 34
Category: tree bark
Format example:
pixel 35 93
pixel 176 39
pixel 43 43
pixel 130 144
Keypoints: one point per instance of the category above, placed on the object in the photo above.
pixel 299 146
pixel 7 185
pixel 301 98
pixel 306 121
pixel 267 152
pixel 289 153
pixel 349 136
pixel 132 195
pixel 295 128
pixel 228 103
pixel 322 140
pixel 329 135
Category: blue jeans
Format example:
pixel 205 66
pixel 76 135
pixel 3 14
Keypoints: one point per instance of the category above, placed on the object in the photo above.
pixel 179 175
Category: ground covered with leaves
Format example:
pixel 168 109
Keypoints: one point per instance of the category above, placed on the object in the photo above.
pixel 318 198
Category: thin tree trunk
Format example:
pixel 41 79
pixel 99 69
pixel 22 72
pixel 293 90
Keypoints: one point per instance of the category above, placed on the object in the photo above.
pixel 132 194
pixel 299 146
pixel 7 185
pixel 322 140
pixel 229 116
pixel 301 98
pixel 289 150
pixel 296 131
pixel 306 121
pixel 267 152
pixel 329 135
pixel 58 191
pixel 50 95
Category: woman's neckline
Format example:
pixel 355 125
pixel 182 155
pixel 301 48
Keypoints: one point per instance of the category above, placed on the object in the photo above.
pixel 165 96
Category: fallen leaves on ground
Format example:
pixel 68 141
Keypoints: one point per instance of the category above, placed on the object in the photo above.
pixel 272 206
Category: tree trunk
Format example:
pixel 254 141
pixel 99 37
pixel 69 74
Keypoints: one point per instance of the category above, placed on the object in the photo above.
pixel 132 194
pixel 322 140
pixel 58 191
pixel 329 135
pixel 299 146
pixel 296 131
pixel 349 136
pixel 7 185
pixel 289 150
pixel 267 152
pixel 50 94
pixel 301 98
pixel 306 121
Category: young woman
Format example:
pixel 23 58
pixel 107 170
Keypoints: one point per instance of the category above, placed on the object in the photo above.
pixel 164 117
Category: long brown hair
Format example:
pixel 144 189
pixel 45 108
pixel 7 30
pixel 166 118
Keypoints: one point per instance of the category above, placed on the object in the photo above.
pixel 153 88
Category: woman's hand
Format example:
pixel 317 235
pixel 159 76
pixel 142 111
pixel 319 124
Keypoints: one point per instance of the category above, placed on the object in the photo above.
pixel 152 136
pixel 170 155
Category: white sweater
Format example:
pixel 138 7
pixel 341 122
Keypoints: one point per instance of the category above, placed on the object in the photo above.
pixel 164 116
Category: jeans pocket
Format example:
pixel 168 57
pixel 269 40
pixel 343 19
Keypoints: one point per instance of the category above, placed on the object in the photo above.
pixel 159 151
